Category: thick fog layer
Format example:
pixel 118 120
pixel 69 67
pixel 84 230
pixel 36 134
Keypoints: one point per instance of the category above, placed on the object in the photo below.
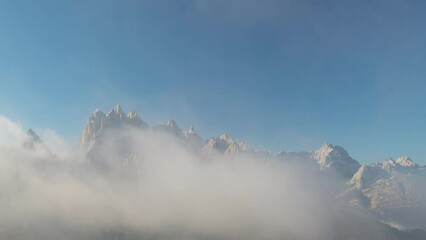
pixel 165 191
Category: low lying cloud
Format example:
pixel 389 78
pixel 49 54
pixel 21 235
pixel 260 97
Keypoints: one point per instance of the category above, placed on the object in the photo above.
pixel 165 191
pixel 55 142
pixel 10 132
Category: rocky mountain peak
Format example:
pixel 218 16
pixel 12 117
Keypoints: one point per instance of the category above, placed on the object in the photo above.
pixel 134 119
pixel 336 159
pixel 97 112
pixel 32 140
pixel 191 131
pixel 171 127
pixel 116 114
pixel 405 162
pixel 98 122
pixel 224 144
pixel 172 123
pixel 133 115
pixel 227 139
pixel 366 176
pixel 329 153
pixel 33 136
pixel 193 137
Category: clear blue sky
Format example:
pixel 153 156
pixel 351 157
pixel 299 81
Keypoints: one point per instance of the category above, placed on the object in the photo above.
pixel 284 74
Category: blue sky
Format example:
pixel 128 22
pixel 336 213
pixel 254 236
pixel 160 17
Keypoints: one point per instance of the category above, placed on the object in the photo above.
pixel 288 74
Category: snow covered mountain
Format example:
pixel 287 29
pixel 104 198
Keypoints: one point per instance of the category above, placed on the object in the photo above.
pixel 391 190
pixel 386 190
pixel 336 160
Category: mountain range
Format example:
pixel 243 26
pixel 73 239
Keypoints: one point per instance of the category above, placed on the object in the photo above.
pixel 391 191
pixel 387 197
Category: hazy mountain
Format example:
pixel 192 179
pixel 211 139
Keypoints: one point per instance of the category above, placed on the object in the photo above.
pixel 223 145
pixel 389 191
pixel 132 181
pixel 100 123
pixel 32 139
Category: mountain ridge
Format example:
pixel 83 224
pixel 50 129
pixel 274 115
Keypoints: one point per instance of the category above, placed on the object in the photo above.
pixel 375 189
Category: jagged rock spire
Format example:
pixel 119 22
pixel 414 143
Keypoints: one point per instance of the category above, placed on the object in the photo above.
pixel 172 123
pixel 116 114
pixel 134 119
pixel 193 137
pixel 33 136
pixel 191 130
pixel 114 119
